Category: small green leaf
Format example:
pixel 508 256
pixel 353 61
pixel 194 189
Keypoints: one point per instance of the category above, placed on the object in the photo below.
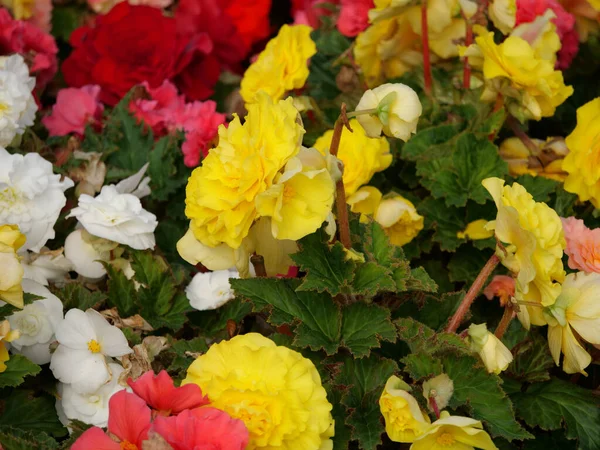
pixel 183 351
pixel 325 266
pixel 121 292
pixel 428 143
pixel 446 221
pixel 16 439
pixel 420 281
pixel 22 409
pixel 370 279
pixel 163 168
pixel 17 368
pixel 212 322
pixel 532 360
pixel 74 295
pixel 363 326
pixel 539 187
pixel 556 403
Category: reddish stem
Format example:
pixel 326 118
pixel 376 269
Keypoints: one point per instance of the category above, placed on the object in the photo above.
pixel 526 140
pixel 434 406
pixel 259 265
pixel 467 66
pixel 507 317
pixel 425 44
pixel 472 294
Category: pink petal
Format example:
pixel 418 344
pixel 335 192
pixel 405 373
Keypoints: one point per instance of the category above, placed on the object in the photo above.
pixel 95 439
pixel 129 417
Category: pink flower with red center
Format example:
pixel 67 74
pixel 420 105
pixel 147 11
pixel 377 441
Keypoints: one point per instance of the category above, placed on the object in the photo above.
pixel 162 396
pixel 583 245
pixel 74 109
pixel 202 428
pixel 128 421
pixel 502 287
pixel 528 10
pixel 37 47
pixel 167 112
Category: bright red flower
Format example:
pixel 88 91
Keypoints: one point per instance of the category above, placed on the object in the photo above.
pixel 202 428
pixel 73 110
pixel 128 421
pixel 528 10
pixel 160 393
pixel 251 18
pixel 130 45
pixel 37 47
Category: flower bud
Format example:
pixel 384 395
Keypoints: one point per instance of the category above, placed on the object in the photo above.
pixel 440 388
pixel 399 218
pixel 492 351
pixel 397 107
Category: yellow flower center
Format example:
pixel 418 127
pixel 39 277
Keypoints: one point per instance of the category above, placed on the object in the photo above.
pixel 126 445
pixel 288 192
pixel 8 196
pixel 445 439
pixel 94 347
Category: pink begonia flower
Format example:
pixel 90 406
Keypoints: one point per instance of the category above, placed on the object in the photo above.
pixel 128 421
pixel 167 112
pixel 528 10
pixel 202 428
pixel 36 46
pixel 354 16
pixel 73 110
pixel 104 6
pixel 161 395
pixel 502 287
pixel 308 12
pixel 583 245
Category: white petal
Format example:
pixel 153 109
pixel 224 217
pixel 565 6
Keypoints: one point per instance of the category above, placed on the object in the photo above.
pixel 112 340
pixel 75 331
pixel 85 371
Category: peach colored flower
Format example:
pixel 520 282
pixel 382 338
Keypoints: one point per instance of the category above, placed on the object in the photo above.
pixel 501 286
pixel 583 245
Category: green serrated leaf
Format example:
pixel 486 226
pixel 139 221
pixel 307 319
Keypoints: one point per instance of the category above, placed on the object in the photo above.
pixel 539 187
pixel 363 326
pixel 446 221
pixel 183 351
pixel 121 292
pixel 163 168
pixel 420 281
pixel 551 404
pixel 22 409
pixel 17 368
pixel 319 317
pixel 428 143
pixel 532 360
pixel 16 439
pixel 325 266
pixel 136 139
pixel 371 278
pixel 74 295
pixel 212 322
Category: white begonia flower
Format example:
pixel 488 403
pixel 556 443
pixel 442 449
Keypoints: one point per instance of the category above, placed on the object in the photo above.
pixel 92 407
pixel 48 265
pixel 397 110
pixel 31 196
pixel 136 184
pixel 117 217
pixel 17 105
pixel 85 339
pixel 211 290
pixel 492 351
pixel 37 323
pixel 85 251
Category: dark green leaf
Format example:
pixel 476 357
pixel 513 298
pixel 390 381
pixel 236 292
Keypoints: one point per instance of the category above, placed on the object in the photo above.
pixel 532 360
pixel 446 221
pixel 21 409
pixel 539 187
pixel 370 279
pixel 17 439
pixel 426 144
pixel 363 326
pixel 121 292
pixel 17 368
pixel 74 295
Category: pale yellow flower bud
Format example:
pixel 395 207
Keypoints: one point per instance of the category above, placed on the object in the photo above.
pixel 492 351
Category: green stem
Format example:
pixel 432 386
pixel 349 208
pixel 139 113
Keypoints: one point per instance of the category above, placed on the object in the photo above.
pixel 362 112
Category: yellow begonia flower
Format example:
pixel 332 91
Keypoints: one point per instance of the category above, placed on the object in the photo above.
pixel 454 433
pixel 6 335
pixel 404 420
pixel 385 9
pixel 365 201
pixel 300 199
pixel 503 14
pixel 494 354
pixel 387 50
pixel 274 390
pixel 535 242
pixel 475 230
pixel 577 308
pixel 11 240
pixel 282 65
pixel 581 163
pixel 541 35
pixel 362 156
pixel 514 70
pixel 546 162
pixel 220 195
pixel 398 110
pixel 399 218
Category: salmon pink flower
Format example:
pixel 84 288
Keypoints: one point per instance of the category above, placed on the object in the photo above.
pixel 73 110
pixel 128 422
pixel 583 245
pixel 501 286
pixel 202 428
pixel 161 395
